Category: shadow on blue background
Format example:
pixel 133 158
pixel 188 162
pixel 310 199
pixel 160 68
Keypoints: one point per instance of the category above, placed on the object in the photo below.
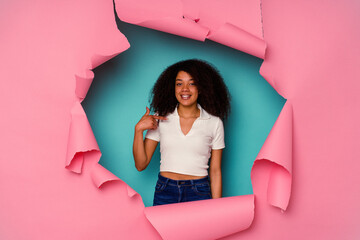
pixel 120 92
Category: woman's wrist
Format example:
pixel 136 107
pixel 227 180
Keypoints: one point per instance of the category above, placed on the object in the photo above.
pixel 138 129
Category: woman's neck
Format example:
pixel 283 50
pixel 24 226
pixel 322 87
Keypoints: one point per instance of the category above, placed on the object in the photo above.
pixel 188 111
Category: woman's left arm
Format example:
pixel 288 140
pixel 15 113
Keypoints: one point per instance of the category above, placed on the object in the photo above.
pixel 215 173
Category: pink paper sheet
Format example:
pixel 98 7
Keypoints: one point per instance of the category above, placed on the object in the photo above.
pixel 48 52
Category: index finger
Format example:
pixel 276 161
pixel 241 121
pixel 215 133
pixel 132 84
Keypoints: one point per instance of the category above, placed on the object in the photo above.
pixel 159 117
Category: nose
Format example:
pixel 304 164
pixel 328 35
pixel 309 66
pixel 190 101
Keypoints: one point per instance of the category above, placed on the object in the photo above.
pixel 185 87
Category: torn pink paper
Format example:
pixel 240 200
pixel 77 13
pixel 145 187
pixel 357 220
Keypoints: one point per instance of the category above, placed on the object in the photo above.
pixel 81 139
pixel 101 175
pixel 199 20
pixel 240 29
pixel 232 36
pixel 160 15
pixel 214 14
pixel 207 219
pixel 278 149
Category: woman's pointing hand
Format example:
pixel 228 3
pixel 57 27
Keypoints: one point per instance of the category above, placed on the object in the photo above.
pixel 148 121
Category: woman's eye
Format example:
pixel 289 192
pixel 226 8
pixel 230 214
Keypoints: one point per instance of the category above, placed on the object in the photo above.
pixel 178 84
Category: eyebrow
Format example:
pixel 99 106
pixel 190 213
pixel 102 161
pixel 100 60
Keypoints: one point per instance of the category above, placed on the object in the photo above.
pixel 178 79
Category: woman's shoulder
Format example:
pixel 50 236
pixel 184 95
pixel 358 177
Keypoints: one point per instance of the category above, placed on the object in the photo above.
pixel 210 117
pixel 216 121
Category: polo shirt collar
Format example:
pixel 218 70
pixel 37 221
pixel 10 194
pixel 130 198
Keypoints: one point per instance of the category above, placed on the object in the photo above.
pixel 203 114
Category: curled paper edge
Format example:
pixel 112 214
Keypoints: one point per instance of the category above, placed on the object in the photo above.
pixel 190 27
pixel 83 84
pixel 277 149
pixel 183 27
pixel 100 176
pixel 169 21
pixel 279 187
pixel 237 38
pixel 98 59
pixel 81 139
pixel 218 217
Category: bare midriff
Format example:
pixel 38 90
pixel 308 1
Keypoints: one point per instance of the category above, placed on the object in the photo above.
pixel 179 176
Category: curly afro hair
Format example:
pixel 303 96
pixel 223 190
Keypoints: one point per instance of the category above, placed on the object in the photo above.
pixel 213 96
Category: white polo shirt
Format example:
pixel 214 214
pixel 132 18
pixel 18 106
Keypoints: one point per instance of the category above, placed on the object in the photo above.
pixel 190 153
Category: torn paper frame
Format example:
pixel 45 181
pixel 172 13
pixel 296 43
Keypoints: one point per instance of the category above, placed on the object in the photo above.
pixel 191 25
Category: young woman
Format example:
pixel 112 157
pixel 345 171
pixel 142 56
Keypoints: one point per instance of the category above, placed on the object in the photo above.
pixel 190 100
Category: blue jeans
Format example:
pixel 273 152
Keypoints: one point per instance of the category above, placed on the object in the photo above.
pixel 174 191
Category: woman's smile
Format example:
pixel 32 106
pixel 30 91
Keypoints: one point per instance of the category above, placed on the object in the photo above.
pixel 185 97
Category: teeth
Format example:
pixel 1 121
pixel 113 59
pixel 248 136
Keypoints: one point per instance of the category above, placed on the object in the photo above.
pixel 185 96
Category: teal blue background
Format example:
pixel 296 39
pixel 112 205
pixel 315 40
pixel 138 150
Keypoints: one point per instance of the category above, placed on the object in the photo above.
pixel 120 92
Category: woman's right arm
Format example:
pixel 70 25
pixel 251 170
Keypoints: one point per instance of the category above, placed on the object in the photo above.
pixel 143 150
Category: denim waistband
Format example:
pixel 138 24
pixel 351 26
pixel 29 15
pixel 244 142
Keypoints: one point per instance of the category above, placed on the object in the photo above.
pixel 183 182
